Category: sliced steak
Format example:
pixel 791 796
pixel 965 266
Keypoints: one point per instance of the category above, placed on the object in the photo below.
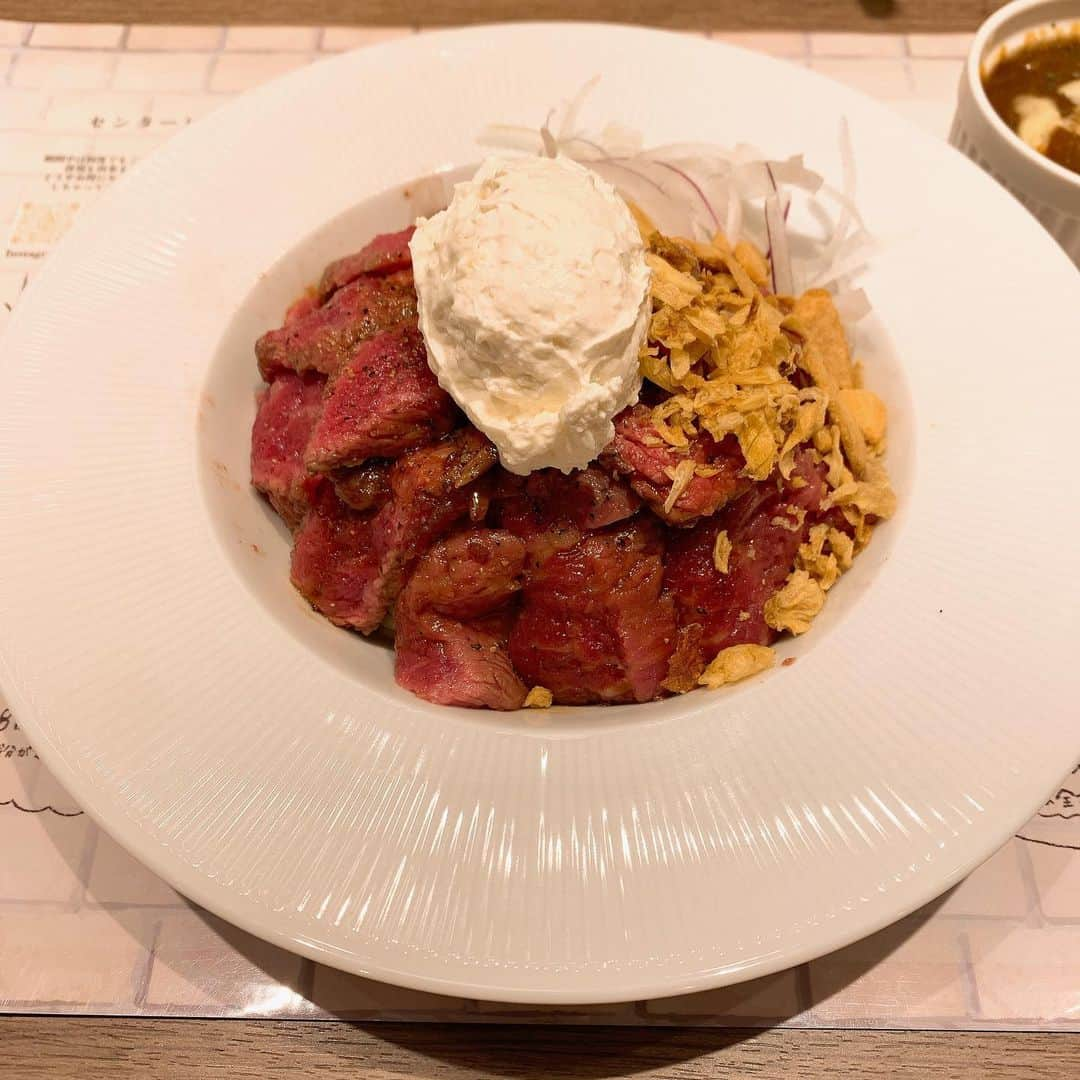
pixel 637 454
pixel 603 499
pixel 287 412
pixel 430 490
pixel 686 663
pixel 593 625
pixel 452 621
pixel 334 561
pixel 386 254
pixel 384 401
pixel 550 510
pixel 540 523
pixel 324 338
pixel 300 309
pixel 765 528
pixel 364 488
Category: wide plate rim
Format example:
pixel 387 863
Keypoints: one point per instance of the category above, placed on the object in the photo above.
pixel 218 900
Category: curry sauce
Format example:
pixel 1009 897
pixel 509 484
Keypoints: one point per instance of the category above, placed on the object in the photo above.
pixel 1036 91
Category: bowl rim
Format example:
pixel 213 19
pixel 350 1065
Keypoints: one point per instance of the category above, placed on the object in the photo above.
pixel 1008 140
pixel 201 205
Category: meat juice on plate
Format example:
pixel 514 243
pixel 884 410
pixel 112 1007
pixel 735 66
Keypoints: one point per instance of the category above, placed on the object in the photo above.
pixel 566 458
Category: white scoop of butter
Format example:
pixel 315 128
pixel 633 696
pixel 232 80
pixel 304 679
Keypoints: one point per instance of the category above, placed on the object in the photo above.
pixel 534 302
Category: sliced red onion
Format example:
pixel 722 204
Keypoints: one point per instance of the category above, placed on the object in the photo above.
pixel 845 265
pixel 851 305
pixel 783 281
pixel 696 189
pixel 551 145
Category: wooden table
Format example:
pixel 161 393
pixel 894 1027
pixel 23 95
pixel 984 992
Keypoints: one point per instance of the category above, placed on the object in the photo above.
pixel 864 15
pixel 104 1049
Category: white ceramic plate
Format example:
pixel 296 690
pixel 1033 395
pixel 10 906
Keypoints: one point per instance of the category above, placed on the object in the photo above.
pixel 265 763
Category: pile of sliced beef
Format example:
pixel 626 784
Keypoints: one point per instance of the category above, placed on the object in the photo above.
pixel 493 584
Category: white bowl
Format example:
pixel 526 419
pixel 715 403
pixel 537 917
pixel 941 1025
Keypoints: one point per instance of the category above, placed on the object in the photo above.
pixel 267 765
pixel 1050 191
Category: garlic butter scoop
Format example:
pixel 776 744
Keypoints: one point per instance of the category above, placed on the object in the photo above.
pixel 534 303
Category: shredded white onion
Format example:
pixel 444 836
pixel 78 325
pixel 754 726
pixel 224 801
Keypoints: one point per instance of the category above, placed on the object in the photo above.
pixel 851 305
pixel 697 190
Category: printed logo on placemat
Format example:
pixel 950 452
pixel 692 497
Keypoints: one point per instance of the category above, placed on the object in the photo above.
pixel 1057 824
pixel 40 225
pixel 28 778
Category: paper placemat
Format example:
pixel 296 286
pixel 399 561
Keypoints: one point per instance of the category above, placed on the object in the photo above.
pixel 84 928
